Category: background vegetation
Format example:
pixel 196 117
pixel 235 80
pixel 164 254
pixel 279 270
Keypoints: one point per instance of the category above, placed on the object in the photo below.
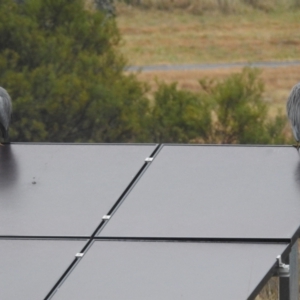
pixel 155 36
pixel 64 65
pixel 61 62
pixel 227 112
pixel 61 66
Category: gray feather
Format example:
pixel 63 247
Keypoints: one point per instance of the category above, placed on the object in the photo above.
pixel 5 111
pixel 293 110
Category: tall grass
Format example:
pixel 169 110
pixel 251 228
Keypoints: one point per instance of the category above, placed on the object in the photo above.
pixel 223 6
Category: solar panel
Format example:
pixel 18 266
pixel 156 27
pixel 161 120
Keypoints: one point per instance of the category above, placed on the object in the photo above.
pixel 30 268
pixel 177 226
pixel 63 189
pixel 114 270
pixel 213 192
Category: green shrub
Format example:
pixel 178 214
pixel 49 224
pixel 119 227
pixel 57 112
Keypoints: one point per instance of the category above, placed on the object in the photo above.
pixel 240 113
pixel 227 112
pixel 61 65
pixel 178 116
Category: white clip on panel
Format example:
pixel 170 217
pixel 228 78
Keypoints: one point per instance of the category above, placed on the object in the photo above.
pixel 79 255
pixel 149 159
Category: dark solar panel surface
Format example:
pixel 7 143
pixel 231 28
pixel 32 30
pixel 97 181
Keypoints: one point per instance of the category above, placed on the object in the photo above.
pixel 63 190
pixel 215 192
pixel 227 194
pixel 30 268
pixel 166 270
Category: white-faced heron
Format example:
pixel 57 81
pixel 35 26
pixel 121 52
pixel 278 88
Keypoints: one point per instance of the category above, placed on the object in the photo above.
pixel 5 112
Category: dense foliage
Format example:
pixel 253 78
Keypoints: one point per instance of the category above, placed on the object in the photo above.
pixel 229 111
pixel 178 116
pixel 60 63
pixel 240 113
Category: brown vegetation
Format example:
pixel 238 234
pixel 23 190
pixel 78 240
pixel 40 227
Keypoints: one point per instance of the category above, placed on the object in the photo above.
pixel 164 37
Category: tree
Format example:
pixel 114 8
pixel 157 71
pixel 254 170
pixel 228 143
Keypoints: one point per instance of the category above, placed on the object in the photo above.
pixel 61 65
pixel 227 112
pixel 240 113
pixel 179 116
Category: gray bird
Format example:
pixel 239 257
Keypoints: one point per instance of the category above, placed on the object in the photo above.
pixel 5 112
pixel 293 112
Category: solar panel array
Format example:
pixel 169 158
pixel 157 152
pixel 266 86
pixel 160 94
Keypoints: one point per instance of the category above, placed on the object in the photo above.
pixel 91 221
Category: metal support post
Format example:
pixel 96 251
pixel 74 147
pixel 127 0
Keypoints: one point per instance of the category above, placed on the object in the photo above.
pixel 288 278
pixel 293 261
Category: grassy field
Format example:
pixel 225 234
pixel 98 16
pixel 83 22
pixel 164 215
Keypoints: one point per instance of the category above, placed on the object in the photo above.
pixel 152 36
pixel 164 37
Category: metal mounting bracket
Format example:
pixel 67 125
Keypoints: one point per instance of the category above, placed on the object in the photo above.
pixel 281 270
pixel 106 217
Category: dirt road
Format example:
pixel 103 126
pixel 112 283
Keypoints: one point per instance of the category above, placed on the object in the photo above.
pixel 188 67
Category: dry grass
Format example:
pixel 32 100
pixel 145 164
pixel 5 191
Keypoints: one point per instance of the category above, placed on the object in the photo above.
pixel 270 290
pixel 200 7
pixel 161 37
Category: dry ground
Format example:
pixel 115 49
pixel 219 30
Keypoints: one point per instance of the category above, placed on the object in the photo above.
pixel 162 37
